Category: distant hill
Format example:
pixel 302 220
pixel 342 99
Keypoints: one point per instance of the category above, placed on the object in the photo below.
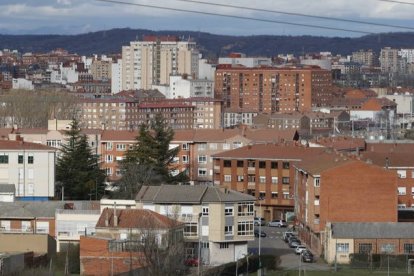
pixel 111 41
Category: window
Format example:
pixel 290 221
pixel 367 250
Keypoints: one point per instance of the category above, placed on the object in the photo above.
pixel 185 147
pixel 285 180
pixel 245 209
pixel 42 227
pixel 365 248
pixel 224 245
pixel 226 146
pixel 273 165
pixel 342 247
pixel 202 172
pixel 251 164
pixel 20 159
pixel 202 146
pixel 109 158
pixel 202 159
pixel 262 194
pixel 408 248
pixel 245 228
pixel 185 159
pixel 204 211
pixel 4 158
pixel 237 145
pixel 227 178
pixel 228 230
pixel 412 174
pixel 387 248
pixel 317 182
pixel 120 147
pixel 316 202
pixel 227 163
pixel 108 171
pixel 274 195
pixel 402 173
pixel 213 146
pixel 262 164
pixel 274 180
pixel 240 164
pixel 286 165
pixel 109 146
pixel 240 178
pixel 26 225
pixel 30 173
pixel 30 158
pixel 286 195
pixel 228 211
pixel 262 179
pixel 402 191
pixel 190 230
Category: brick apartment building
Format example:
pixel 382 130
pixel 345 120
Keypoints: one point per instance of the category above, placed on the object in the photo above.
pixel 336 188
pixel 398 158
pixel 270 90
pixel 264 171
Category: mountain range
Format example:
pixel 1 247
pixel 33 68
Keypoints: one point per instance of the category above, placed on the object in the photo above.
pixel 211 45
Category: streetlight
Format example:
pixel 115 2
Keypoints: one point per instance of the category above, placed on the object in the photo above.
pixel 199 243
pixel 259 272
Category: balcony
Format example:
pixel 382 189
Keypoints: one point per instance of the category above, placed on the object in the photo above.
pixel 251 170
pixel 216 168
pixel 23 231
pixel 251 184
pixel 316 221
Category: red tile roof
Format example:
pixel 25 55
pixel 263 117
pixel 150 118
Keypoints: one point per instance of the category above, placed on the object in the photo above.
pixel 21 145
pixel 270 151
pixel 342 143
pixel 119 135
pixel 136 218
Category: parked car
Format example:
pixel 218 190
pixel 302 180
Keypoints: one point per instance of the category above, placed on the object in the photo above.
pixel 292 237
pixel 307 256
pixel 259 221
pixel 191 262
pixel 258 233
pixel 294 243
pixel 286 235
pixel 277 223
pixel 299 249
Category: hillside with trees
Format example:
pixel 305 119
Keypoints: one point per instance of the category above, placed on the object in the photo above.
pixel 212 45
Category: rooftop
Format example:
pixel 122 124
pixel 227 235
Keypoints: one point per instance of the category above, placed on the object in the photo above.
pixel 373 230
pixel 189 194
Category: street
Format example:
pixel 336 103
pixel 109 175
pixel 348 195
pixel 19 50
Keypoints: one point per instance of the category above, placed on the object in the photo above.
pixel 273 244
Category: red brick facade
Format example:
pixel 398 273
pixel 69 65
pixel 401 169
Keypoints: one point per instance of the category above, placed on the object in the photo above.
pixel 96 259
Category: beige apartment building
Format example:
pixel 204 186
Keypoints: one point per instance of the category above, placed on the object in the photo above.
pixel 220 219
pixel 154 59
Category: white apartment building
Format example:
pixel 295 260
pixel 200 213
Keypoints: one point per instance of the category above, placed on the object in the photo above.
pixel 21 83
pixel 154 59
pixel 116 80
pixel 188 88
pixel 30 167
pixel 408 54
pixel 246 61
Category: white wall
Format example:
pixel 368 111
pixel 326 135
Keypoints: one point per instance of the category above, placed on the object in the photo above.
pixel 116 77
pixel 21 83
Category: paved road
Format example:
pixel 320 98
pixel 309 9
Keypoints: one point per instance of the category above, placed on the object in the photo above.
pixel 274 245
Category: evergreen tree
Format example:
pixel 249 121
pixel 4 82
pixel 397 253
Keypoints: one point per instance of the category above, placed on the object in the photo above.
pixel 77 167
pixel 150 160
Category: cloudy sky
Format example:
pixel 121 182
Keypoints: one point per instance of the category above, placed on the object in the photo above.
pixel 80 16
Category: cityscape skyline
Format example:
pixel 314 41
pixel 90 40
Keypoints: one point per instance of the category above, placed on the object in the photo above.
pixel 74 17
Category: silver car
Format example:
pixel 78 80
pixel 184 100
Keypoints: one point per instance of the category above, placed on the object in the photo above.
pixel 277 223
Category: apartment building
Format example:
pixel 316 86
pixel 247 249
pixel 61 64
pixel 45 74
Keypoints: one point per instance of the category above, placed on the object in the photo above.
pixel 220 219
pixel 101 69
pixel 336 188
pixel 264 171
pixel 270 89
pixel 73 220
pixel 154 59
pixel 30 167
pixel 391 61
pixel 365 57
pixel 397 158
pixel 185 87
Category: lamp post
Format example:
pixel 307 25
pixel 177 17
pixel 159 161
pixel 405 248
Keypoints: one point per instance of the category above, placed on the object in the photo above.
pixel 259 272
pixel 199 244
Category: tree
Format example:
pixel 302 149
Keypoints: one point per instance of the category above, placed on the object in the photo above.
pixel 77 167
pixel 151 160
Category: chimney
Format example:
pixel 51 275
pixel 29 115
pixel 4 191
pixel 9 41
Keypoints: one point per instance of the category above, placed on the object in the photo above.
pixel 387 162
pixel 107 218
pixel 115 216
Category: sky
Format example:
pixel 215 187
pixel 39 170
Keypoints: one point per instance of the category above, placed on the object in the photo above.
pixel 81 16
